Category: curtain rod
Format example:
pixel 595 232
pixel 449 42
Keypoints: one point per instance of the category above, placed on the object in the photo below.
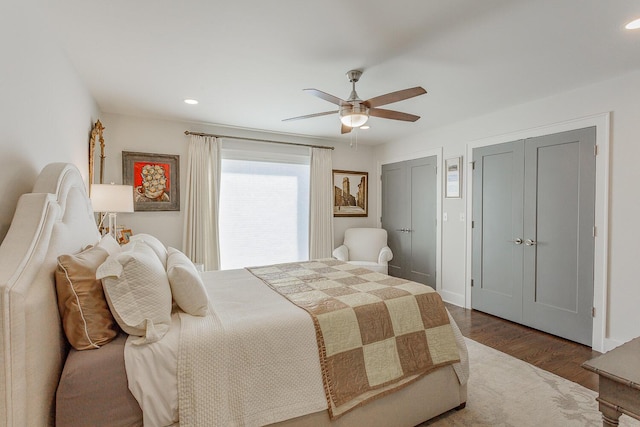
pixel 186 132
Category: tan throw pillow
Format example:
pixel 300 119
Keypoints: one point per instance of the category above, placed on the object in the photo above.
pixel 186 284
pixel 86 319
pixel 138 292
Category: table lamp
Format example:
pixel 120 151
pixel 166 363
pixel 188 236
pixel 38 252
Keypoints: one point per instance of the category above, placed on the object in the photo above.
pixel 109 199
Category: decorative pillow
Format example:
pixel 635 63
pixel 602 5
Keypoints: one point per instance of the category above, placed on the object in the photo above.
pixel 138 292
pixel 186 284
pixel 109 244
pixel 155 244
pixel 86 319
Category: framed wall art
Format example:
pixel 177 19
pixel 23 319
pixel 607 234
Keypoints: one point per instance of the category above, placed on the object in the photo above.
pixel 123 235
pixel 453 189
pixel 155 180
pixel 350 193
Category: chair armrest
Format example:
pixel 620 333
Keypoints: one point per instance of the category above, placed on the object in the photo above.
pixel 385 255
pixel 341 253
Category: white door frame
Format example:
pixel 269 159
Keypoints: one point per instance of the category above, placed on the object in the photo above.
pixel 412 156
pixel 601 251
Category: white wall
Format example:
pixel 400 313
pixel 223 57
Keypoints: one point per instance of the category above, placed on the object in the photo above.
pixel 46 112
pixel 127 133
pixel 619 96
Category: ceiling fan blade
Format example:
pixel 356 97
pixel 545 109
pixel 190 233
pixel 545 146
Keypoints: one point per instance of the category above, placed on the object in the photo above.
pixel 327 97
pixel 391 114
pixel 308 116
pixel 394 97
pixel 345 129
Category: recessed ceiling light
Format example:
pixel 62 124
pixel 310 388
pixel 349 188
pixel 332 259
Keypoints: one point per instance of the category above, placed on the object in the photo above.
pixel 365 127
pixel 633 25
pixel 190 101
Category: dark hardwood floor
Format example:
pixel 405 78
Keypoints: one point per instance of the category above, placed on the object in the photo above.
pixel 548 352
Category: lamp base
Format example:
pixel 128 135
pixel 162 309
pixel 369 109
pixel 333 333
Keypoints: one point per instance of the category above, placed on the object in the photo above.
pixel 112 225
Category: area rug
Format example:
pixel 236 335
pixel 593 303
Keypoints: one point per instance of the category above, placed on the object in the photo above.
pixel 505 391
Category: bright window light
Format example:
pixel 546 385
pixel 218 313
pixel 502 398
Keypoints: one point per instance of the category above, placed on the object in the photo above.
pixel 264 213
pixel 191 101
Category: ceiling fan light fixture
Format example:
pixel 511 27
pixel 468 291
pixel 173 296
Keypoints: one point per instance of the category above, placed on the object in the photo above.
pixel 633 25
pixel 354 115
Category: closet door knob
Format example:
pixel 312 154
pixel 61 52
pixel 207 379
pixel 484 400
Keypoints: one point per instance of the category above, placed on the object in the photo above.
pixel 530 242
pixel 518 241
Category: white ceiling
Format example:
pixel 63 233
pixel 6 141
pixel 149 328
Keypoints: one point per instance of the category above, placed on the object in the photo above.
pixel 247 61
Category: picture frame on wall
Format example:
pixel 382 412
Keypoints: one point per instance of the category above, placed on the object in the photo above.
pixel 155 179
pixel 350 193
pixel 453 183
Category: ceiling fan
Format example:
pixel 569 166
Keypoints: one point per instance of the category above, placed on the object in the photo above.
pixel 355 112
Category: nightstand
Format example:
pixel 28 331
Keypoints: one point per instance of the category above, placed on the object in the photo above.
pixel 619 382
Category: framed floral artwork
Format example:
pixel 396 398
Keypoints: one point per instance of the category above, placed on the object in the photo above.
pixel 155 180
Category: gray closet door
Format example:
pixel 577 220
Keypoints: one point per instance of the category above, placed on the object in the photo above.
pixel 558 231
pixel 533 247
pixel 421 256
pixel 409 214
pixel 498 176
pixel 395 213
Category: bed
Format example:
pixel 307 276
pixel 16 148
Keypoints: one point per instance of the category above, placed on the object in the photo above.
pixel 56 219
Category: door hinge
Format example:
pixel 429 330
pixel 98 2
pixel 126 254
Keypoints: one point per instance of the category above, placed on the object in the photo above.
pixel 473 165
pixel 595 231
pixel 593 312
pixel 473 224
pixel 595 150
pixel 472 283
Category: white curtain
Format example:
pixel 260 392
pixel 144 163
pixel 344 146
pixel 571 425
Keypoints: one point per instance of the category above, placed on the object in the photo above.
pixel 200 241
pixel 321 204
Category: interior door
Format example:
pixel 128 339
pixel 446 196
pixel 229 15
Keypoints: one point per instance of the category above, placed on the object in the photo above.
pixel 533 219
pixel 395 214
pixel 420 257
pixel 558 232
pixel 409 214
pixel 497 230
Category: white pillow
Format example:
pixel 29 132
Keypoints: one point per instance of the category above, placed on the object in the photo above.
pixel 186 284
pixel 153 242
pixel 138 292
pixel 109 244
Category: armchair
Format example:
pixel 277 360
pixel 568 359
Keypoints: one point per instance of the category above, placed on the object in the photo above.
pixel 366 247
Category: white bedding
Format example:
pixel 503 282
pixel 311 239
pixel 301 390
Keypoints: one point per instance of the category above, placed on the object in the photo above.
pixel 263 364
pixel 259 354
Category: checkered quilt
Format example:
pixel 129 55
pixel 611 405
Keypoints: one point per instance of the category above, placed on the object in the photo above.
pixel 375 333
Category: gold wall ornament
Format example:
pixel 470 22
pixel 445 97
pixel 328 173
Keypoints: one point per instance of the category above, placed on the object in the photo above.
pixel 96 134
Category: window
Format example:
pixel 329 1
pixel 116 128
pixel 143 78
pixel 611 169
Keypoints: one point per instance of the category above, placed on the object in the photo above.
pixel 264 208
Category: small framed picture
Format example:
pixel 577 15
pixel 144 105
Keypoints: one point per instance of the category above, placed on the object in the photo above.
pixel 155 180
pixel 350 193
pixel 124 234
pixel 453 185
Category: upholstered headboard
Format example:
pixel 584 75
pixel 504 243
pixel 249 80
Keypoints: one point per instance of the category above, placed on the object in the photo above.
pixel 55 218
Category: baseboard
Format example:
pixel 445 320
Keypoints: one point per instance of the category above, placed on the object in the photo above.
pixel 452 298
pixel 610 344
